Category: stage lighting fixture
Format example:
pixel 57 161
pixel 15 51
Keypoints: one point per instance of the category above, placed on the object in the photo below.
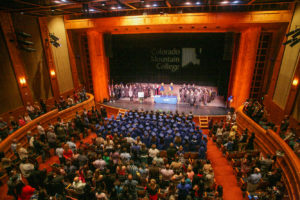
pixel 53 37
pixel 188 3
pixel 28 49
pixel 113 8
pixel 154 5
pixel 296 41
pixel 296 34
pixel 236 2
pixel 198 3
pixel 25 42
pixel 147 6
pixel 292 32
pixel 23 34
pixel 119 7
pixel 289 41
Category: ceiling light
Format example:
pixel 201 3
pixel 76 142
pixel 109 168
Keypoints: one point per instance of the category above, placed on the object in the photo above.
pixel 113 8
pixel 198 3
pixel 103 4
pixel 187 3
pixel 147 6
pixel 119 7
pixel 225 2
pixel 236 2
pixel 92 10
pixel 154 5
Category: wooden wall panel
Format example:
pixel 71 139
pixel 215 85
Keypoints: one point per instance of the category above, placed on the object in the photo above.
pixel 34 62
pixel 288 66
pixel 61 55
pixel 10 97
pixel 99 65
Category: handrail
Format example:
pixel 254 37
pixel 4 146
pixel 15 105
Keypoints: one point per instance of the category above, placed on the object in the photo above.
pixel 270 142
pixel 44 119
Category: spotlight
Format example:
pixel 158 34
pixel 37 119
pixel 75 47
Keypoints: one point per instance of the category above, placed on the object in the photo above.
pixel 292 32
pixel 295 82
pixel 147 6
pixel 188 3
pixel 288 41
pixel 296 34
pixel 236 2
pixel 53 37
pixel 119 7
pixel 23 34
pixel 296 41
pixel 113 8
pixel 154 5
pixel 198 3
pixel 25 42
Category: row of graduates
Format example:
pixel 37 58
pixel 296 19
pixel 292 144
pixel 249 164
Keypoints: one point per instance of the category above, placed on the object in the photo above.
pixel 194 95
pixel 155 128
pixel 118 91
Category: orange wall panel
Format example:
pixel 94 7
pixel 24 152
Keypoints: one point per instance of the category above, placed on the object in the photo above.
pixel 98 65
pixel 245 65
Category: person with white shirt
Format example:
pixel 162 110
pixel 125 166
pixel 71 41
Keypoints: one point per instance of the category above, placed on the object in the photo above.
pixel 78 185
pixel 153 152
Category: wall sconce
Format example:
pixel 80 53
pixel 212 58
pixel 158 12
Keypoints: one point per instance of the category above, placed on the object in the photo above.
pixel 52 73
pixel 23 81
pixel 295 82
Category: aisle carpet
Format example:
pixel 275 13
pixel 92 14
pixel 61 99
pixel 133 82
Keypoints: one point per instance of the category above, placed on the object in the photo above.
pixel 223 173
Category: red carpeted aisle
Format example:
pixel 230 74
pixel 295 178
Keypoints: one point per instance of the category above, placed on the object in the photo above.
pixel 223 173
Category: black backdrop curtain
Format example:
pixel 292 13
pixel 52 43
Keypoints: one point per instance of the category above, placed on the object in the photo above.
pixel 178 57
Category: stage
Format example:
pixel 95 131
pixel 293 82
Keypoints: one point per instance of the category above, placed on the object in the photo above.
pixel 216 108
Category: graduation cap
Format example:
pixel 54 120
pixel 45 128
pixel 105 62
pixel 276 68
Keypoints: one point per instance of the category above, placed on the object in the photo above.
pixel 161 135
pixel 123 128
pixel 192 130
pixel 186 137
pixel 164 128
pixel 108 126
pixel 128 125
pixel 172 121
pixel 130 130
pixel 178 134
pixel 141 126
pixel 153 134
pixel 116 130
pixel 194 136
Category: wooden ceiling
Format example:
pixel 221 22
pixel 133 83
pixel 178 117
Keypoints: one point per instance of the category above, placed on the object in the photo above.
pixel 108 8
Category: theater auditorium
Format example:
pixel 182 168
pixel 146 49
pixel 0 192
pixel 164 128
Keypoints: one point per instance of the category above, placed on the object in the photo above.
pixel 149 100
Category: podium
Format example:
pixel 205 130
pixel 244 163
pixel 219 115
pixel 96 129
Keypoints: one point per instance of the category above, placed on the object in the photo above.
pixel 165 99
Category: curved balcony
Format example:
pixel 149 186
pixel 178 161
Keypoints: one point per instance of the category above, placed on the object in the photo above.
pixel 50 116
pixel 269 143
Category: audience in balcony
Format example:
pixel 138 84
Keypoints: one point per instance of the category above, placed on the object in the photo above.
pixel 35 110
pixel 257 173
pixel 256 111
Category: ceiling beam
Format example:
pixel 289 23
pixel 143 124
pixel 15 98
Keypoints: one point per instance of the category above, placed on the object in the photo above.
pixel 168 4
pixel 127 4
pixel 251 2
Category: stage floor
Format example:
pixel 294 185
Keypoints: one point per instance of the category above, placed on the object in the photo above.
pixel 217 108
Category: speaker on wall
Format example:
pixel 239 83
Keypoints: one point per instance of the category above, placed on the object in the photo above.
pixel 108 45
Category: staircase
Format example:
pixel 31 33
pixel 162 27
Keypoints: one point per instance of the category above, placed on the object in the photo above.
pixel 203 122
pixel 122 112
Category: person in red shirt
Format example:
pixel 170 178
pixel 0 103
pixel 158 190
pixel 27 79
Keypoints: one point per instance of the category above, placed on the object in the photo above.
pixel 24 192
pixel 68 154
pixel 22 122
